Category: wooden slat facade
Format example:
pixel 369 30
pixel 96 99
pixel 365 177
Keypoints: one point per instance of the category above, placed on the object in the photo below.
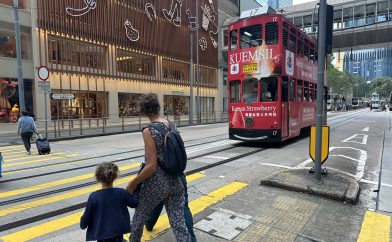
pixel 104 26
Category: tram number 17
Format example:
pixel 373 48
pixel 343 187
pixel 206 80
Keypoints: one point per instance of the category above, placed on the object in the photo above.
pixel 274 19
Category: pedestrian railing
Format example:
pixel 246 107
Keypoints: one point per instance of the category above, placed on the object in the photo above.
pixel 117 124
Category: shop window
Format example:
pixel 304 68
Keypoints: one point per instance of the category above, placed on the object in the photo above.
pixel 250 90
pixel 233 40
pixel 271 33
pixel 9 99
pixel 128 104
pixel 269 89
pixel 86 105
pixel 76 53
pixel 235 91
pixel 175 105
pixel 8 42
pixel 251 36
pixel 133 63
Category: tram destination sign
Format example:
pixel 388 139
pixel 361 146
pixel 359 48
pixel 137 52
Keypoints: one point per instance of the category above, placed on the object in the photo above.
pixel 63 96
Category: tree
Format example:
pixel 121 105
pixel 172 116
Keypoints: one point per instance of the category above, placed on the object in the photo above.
pixel 345 82
pixel 382 86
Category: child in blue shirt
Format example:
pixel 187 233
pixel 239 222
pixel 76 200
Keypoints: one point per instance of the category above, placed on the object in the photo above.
pixel 106 216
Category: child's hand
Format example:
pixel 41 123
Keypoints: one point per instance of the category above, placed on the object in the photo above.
pixel 131 186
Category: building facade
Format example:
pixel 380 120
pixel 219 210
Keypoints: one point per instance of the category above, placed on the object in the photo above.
pixel 9 93
pixel 369 64
pixel 278 4
pixel 108 53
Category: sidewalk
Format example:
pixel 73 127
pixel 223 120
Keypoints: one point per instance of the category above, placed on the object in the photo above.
pixel 8 132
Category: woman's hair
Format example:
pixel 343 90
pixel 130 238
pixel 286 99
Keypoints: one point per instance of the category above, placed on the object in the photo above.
pixel 149 104
pixel 106 172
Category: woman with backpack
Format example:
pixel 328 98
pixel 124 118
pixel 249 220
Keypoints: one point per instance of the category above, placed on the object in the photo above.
pixel 157 185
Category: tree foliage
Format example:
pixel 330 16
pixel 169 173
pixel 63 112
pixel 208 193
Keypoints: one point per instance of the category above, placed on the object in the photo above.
pixel 382 86
pixel 340 82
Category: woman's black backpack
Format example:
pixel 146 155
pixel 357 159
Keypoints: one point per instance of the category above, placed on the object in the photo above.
pixel 174 154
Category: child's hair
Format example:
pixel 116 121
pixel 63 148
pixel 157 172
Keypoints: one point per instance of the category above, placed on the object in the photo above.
pixel 106 172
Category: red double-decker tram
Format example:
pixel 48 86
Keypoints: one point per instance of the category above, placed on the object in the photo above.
pixel 272 79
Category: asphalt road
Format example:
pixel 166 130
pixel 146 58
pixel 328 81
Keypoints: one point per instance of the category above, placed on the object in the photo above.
pixel 52 185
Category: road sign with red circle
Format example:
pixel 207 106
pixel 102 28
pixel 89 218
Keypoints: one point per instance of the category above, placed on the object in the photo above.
pixel 43 73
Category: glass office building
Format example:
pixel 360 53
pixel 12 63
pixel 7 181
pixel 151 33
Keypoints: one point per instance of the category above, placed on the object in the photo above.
pixel 369 64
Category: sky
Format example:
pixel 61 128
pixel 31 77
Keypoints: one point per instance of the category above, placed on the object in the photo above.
pixel 295 2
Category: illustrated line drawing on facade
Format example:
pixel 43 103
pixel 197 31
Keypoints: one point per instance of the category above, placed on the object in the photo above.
pixel 90 5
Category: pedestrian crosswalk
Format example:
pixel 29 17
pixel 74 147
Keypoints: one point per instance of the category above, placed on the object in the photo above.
pixel 15 158
pixel 73 219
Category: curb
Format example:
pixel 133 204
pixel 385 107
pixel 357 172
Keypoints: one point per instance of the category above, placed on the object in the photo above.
pixel 348 188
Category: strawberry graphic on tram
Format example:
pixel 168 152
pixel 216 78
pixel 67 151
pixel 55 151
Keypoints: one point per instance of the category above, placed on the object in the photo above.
pixel 272 79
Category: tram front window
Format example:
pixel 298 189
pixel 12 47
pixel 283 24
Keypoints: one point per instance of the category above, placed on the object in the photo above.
pixel 250 89
pixel 269 89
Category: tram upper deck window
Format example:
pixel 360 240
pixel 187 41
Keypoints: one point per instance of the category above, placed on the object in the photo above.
pixel 250 90
pixel 233 40
pixel 271 33
pixel 251 36
pixel 235 91
pixel 269 89
pixel 293 40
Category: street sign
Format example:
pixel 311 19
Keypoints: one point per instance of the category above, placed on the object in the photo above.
pixel 43 73
pixel 324 143
pixel 44 87
pixel 66 96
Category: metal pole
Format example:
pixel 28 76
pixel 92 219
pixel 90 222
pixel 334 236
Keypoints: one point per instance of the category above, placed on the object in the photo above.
pixel 46 116
pixel 58 117
pixel 197 63
pixel 22 105
pixel 320 85
pixel 69 117
pixel 191 82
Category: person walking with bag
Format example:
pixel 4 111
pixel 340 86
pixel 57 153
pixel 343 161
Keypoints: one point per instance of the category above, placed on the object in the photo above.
pixel 156 184
pixel 153 218
pixel 106 216
pixel 26 129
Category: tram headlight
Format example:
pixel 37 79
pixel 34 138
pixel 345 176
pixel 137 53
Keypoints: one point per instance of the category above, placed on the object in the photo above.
pixel 249 122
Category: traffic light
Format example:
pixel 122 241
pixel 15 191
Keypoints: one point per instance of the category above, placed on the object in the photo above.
pixel 329 30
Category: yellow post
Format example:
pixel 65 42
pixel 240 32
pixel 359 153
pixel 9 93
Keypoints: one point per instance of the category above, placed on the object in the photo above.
pixel 324 143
